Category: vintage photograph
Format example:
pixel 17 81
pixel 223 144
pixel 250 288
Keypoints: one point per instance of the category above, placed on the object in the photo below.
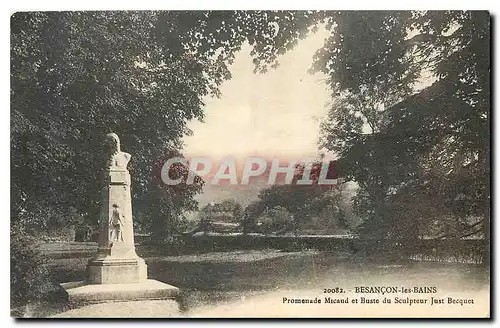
pixel 250 164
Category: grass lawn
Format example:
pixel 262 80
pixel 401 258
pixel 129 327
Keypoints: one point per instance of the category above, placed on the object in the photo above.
pixel 221 278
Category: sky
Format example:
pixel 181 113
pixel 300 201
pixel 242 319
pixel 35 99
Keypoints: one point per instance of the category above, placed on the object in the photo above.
pixel 272 114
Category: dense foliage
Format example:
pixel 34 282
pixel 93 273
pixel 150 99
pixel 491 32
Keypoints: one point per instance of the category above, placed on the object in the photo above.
pixel 29 276
pixel 287 207
pixel 410 118
pixel 418 149
pixel 78 75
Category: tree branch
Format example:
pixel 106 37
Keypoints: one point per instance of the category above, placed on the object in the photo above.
pixel 466 235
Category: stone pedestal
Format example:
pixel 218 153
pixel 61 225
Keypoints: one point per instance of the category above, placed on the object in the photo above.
pixel 116 272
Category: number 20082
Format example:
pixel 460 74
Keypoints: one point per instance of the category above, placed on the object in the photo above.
pixel 333 290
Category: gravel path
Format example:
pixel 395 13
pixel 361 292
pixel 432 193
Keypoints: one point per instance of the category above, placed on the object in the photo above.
pixel 271 305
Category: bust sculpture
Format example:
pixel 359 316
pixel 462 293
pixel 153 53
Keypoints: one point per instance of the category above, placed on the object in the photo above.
pixel 117 194
pixel 118 160
pixel 116 272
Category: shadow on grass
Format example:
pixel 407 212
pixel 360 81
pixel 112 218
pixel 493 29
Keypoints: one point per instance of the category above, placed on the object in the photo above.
pixel 205 281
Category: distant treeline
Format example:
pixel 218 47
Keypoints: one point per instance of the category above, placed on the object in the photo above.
pixel 441 250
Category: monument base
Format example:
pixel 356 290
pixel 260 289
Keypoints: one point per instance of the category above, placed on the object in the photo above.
pixel 82 292
pixel 111 270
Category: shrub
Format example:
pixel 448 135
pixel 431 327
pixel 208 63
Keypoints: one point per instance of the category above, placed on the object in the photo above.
pixel 29 277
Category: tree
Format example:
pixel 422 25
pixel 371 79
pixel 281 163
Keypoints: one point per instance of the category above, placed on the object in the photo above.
pixel 227 210
pixel 423 153
pixel 250 215
pixel 116 77
pixel 233 207
pixel 76 76
pixel 392 129
pixel 166 205
pixel 279 218
pixel 304 202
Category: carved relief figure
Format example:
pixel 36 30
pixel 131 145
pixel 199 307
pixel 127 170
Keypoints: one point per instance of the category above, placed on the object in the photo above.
pixel 116 223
